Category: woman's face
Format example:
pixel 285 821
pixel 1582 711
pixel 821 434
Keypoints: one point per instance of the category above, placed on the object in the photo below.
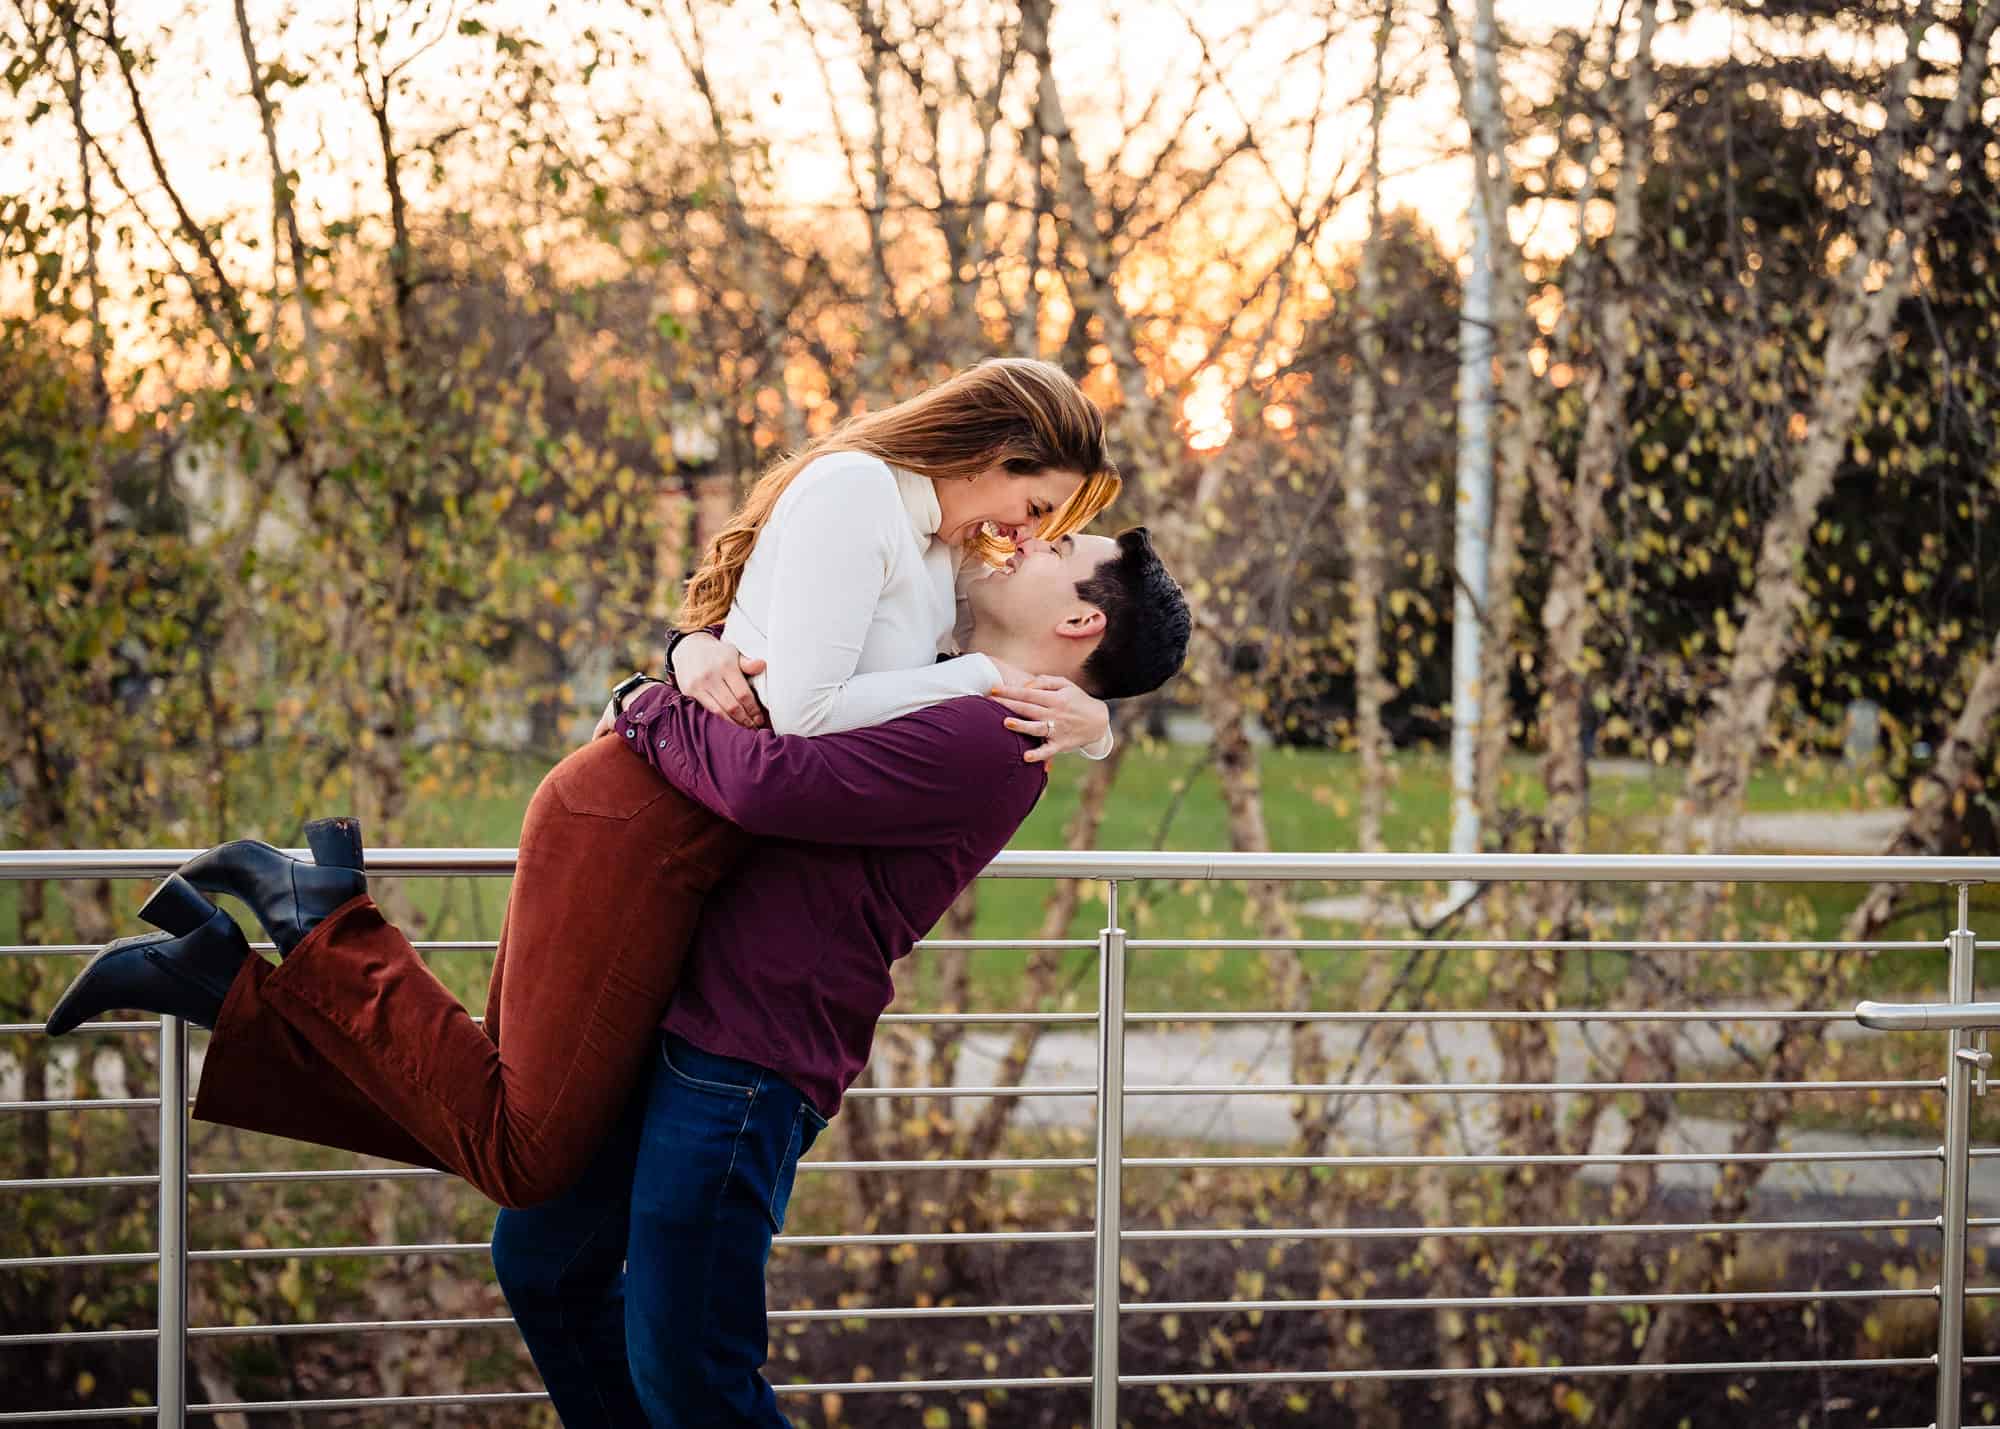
pixel 1014 505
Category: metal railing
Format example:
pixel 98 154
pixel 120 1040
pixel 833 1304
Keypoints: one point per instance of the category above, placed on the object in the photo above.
pixel 1960 1018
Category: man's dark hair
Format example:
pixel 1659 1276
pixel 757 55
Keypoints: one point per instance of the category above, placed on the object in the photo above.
pixel 1146 621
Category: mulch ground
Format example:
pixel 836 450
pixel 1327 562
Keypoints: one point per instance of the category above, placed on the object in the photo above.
pixel 1273 1343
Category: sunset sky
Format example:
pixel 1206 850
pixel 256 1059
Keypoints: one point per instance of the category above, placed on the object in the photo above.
pixel 1112 56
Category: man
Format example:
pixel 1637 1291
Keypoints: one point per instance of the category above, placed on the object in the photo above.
pixel 640 1291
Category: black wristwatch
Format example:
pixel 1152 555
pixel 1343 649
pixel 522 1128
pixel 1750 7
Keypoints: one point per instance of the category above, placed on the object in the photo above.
pixel 625 687
pixel 673 641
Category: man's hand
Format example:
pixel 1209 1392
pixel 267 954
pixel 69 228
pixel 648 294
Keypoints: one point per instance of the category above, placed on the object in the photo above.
pixel 607 721
pixel 1056 711
pixel 714 674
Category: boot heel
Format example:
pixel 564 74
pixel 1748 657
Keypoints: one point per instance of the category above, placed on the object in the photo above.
pixel 336 842
pixel 177 908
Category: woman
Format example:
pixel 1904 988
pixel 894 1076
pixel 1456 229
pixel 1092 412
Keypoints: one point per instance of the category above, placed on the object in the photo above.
pixel 839 572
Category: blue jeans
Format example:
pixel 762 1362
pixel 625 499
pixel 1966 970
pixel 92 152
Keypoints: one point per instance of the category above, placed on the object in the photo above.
pixel 640 1290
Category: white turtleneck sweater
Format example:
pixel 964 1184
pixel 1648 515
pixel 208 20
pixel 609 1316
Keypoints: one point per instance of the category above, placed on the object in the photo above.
pixel 849 601
pixel 849 598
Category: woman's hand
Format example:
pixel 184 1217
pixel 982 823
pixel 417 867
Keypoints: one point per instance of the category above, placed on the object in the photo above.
pixel 714 674
pixel 1010 674
pixel 1058 712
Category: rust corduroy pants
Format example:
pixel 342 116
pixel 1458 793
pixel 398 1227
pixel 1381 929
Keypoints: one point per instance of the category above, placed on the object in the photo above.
pixel 353 1043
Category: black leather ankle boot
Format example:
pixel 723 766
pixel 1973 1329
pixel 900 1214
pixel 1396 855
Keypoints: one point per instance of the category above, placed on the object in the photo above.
pixel 182 972
pixel 289 896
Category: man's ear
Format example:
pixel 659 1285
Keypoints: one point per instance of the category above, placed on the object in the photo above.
pixel 1086 624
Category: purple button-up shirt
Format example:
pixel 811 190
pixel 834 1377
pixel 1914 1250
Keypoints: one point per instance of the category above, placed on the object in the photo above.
pixel 864 840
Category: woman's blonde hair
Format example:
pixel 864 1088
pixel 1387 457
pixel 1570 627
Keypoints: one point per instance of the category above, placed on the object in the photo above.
pixel 1012 412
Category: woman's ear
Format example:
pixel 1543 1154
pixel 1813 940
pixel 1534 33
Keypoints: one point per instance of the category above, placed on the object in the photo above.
pixel 1084 625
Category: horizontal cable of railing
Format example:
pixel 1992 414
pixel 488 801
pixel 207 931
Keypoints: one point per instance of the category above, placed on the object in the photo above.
pixel 960 1386
pixel 1226 945
pixel 1556 1371
pixel 1554 1014
pixel 1391 1015
pixel 1614 1158
pixel 1214 1089
pixel 867 1314
pixel 1085 1163
pixel 1515 945
pixel 1113 864
pixel 1308 945
pixel 37 1028
pixel 449 945
pixel 1078 1237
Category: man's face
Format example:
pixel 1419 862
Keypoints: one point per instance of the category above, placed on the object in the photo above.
pixel 1036 593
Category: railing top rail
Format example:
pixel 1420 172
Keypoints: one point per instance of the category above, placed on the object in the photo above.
pixel 1328 867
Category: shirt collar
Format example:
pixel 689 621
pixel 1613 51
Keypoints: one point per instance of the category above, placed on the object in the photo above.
pixel 919 495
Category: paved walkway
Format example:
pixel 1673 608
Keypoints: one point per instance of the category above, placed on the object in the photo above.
pixel 1862 831
pixel 1825 831
pixel 1382 1123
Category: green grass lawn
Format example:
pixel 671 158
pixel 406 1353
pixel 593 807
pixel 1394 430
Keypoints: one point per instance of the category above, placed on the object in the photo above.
pixel 1310 806
pixel 1167 798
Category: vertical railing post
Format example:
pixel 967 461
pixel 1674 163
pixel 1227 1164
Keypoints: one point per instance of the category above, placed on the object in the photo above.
pixel 1957 1174
pixel 173 1223
pixel 1110 1163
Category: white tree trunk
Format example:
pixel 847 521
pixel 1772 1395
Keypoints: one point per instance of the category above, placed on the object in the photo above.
pixel 1360 521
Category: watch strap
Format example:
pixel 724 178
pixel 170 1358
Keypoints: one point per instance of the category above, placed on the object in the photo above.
pixel 626 686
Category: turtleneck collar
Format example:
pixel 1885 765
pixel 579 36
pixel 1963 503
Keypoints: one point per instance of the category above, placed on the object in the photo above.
pixel 919 495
